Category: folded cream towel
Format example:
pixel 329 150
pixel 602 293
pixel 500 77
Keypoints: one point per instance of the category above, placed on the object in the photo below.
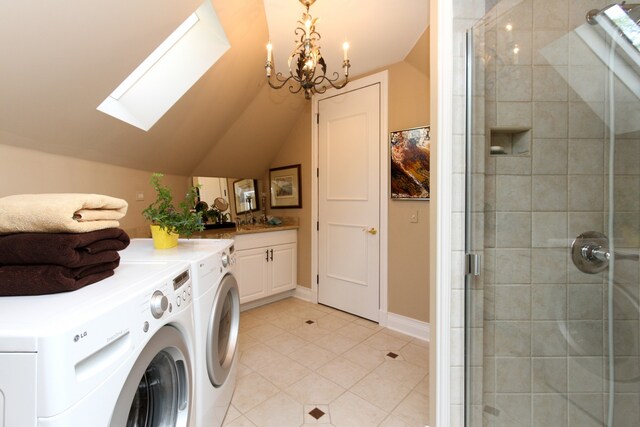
pixel 59 213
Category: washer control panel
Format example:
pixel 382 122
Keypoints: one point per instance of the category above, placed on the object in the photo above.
pixel 168 297
pixel 228 257
pixel 182 288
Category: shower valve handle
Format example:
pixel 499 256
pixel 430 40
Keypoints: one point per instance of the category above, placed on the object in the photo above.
pixel 590 252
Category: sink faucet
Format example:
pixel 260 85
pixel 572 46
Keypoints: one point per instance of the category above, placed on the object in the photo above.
pixel 249 213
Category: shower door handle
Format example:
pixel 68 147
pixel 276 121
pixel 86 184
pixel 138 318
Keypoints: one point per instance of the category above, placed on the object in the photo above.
pixel 472 264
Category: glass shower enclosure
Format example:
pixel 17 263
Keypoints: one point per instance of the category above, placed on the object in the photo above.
pixel 552 294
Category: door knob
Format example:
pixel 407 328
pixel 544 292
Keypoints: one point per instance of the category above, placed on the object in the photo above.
pixel 372 230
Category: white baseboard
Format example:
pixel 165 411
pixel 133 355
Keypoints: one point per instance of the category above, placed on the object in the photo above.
pixel 383 318
pixel 267 300
pixel 409 326
pixel 303 293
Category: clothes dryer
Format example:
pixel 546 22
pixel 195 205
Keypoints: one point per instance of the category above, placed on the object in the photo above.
pixel 216 317
pixel 115 353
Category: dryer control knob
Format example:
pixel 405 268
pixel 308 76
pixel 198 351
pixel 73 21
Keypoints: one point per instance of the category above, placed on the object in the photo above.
pixel 225 260
pixel 159 304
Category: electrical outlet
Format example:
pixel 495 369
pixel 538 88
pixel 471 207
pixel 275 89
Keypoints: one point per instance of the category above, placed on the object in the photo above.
pixel 414 217
pixel 139 196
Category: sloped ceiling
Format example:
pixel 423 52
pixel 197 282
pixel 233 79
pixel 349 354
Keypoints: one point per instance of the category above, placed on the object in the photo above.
pixel 380 32
pixel 59 60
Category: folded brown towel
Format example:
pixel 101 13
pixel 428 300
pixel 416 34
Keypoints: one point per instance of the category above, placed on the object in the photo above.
pixel 59 213
pixel 16 280
pixel 65 249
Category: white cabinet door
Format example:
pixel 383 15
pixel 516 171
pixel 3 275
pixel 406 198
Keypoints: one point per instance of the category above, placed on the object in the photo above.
pixel 252 274
pixel 282 267
pixel 266 264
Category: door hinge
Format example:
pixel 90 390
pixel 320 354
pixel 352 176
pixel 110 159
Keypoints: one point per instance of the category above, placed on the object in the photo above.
pixel 318 225
pixel 317 279
pixel 318 172
pixel 318 119
pixel 472 264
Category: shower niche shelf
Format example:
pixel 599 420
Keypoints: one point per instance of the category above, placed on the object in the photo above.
pixel 509 141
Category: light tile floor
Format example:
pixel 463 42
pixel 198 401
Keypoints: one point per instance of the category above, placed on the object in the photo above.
pixel 296 356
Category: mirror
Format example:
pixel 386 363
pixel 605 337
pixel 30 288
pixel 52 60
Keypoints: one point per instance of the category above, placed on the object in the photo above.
pixel 245 195
pixel 213 194
pixel 213 188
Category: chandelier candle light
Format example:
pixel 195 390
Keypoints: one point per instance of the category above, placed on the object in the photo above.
pixel 306 58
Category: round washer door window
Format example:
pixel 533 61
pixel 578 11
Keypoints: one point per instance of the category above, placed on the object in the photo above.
pixel 156 392
pixel 222 335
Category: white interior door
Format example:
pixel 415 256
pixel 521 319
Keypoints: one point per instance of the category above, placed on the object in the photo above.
pixel 349 201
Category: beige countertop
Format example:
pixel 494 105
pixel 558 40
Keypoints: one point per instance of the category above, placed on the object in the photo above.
pixel 229 233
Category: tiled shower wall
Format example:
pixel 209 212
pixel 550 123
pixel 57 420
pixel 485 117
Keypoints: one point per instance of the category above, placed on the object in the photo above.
pixel 545 322
pixel 540 324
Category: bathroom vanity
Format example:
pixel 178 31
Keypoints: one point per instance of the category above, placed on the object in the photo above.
pixel 266 261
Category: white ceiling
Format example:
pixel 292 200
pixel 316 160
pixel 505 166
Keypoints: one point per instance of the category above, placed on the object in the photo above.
pixel 379 32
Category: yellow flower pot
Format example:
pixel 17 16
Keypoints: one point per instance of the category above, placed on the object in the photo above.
pixel 162 239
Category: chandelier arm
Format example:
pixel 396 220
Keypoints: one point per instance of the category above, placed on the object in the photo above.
pixel 319 89
pixel 346 80
pixel 318 80
pixel 295 91
pixel 319 83
pixel 280 79
pixel 300 32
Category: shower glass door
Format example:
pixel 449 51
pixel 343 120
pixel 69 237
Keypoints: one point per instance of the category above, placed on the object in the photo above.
pixel 553 178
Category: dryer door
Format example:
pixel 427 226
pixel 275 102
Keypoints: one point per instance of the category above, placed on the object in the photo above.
pixel 222 333
pixel 157 390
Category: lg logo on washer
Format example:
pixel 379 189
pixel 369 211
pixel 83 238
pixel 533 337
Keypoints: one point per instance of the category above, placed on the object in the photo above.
pixel 79 336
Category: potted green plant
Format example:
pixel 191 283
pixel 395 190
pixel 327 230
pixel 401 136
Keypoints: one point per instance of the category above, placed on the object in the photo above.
pixel 167 221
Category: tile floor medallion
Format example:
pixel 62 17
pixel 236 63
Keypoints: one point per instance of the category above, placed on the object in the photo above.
pixel 302 364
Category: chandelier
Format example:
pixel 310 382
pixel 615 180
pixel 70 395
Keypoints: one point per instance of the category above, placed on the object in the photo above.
pixel 307 68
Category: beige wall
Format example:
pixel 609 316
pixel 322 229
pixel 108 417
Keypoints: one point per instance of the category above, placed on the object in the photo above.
pixel 408 242
pixel 297 149
pixel 25 171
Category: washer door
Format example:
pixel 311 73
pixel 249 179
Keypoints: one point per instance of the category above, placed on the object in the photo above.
pixel 222 334
pixel 157 390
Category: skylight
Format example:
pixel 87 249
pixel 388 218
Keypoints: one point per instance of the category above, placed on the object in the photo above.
pixel 168 73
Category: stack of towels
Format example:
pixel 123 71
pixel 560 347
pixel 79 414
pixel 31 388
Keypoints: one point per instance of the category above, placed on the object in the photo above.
pixel 52 243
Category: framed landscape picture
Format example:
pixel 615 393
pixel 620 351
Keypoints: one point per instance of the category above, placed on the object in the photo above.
pixel 410 156
pixel 285 187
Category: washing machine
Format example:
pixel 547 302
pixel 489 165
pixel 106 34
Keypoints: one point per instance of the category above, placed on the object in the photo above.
pixel 116 353
pixel 216 306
